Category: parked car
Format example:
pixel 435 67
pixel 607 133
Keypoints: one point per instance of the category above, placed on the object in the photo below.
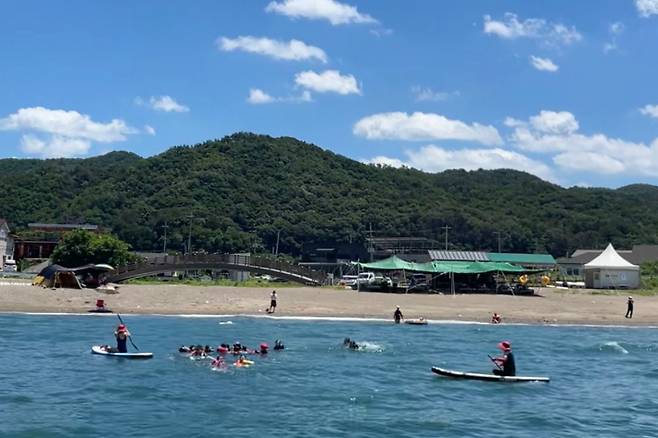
pixel 347 280
pixel 370 280
pixel 10 266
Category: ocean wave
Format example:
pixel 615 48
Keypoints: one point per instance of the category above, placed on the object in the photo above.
pixel 370 347
pixel 613 346
pixel 225 322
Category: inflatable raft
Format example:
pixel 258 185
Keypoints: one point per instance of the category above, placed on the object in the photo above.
pixel 487 377
pixel 420 321
pixel 100 349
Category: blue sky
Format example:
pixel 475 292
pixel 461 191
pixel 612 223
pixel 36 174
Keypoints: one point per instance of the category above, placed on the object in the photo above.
pixel 564 90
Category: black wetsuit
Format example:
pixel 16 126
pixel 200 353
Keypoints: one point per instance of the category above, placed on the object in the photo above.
pixel 629 310
pixel 509 367
pixel 121 344
pixel 397 316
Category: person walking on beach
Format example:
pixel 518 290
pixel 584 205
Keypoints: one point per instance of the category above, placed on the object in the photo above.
pixel 505 365
pixel 397 315
pixel 272 307
pixel 629 308
pixel 122 334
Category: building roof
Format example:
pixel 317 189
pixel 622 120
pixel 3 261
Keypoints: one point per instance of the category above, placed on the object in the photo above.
pixel 522 259
pixel 468 256
pixel 41 226
pixel 609 258
pixel 638 255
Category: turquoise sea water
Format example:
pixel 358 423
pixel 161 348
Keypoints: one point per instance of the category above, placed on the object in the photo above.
pixel 604 380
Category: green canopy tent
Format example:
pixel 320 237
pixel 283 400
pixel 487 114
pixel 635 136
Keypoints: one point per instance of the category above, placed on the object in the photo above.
pixel 450 268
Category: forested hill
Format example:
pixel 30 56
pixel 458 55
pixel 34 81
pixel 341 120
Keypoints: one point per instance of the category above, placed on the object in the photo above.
pixel 244 188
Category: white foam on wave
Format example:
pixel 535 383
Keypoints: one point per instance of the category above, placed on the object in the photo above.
pixel 613 346
pixel 334 318
pixel 370 347
pixel 225 322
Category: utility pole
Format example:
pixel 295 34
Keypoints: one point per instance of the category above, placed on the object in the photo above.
pixel 164 246
pixel 497 233
pixel 189 235
pixel 276 251
pixel 371 247
pixel 446 228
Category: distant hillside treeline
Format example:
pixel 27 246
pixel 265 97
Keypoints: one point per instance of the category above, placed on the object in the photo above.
pixel 244 188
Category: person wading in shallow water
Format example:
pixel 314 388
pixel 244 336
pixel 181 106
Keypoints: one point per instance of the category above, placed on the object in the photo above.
pixel 272 307
pixel 629 307
pixel 397 315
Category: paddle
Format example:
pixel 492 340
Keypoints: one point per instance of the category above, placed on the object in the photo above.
pixel 129 337
pixel 495 363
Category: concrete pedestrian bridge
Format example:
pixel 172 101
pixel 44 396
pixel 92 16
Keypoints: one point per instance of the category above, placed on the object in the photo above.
pixel 218 262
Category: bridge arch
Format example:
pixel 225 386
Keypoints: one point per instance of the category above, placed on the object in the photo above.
pixel 231 262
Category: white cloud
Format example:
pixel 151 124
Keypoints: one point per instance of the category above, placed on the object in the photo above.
pixel 420 126
pixel 552 122
pixel 557 135
pixel 259 97
pixel 615 29
pixel 543 64
pixel 162 103
pixel 383 32
pixel 150 130
pixel 331 10
pixel 433 158
pixel 647 8
pixel 56 147
pixel 69 133
pixel 422 94
pixel 329 81
pixel 650 110
pixel 66 124
pixel 551 34
pixel 293 50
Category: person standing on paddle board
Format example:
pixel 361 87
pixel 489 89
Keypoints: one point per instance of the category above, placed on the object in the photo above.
pixel 505 365
pixel 122 335
pixel 397 315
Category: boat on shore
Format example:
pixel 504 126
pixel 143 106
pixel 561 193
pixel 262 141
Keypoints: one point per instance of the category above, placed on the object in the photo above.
pixel 487 377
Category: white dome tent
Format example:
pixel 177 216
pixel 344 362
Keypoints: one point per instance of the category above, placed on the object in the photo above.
pixel 611 271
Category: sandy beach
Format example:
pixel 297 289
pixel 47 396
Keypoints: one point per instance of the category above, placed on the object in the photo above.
pixel 554 306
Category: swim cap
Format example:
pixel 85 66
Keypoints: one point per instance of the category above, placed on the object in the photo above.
pixel 264 346
pixel 121 328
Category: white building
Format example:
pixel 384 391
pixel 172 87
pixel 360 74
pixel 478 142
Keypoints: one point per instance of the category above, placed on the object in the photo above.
pixel 611 271
pixel 6 243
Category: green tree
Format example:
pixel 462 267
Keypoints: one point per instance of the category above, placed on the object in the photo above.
pixel 81 247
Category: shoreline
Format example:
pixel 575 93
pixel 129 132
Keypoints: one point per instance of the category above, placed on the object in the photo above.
pixel 549 307
pixel 333 319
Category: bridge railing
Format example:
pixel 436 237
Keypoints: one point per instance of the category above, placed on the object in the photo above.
pixel 248 261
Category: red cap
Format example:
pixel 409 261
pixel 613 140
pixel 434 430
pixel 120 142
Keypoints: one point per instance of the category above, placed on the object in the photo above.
pixel 505 346
pixel 121 328
pixel 264 346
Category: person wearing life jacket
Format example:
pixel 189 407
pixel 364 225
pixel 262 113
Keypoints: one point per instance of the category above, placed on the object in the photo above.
pixel 505 365
pixel 122 334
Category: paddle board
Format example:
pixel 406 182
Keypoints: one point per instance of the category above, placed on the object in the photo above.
pixel 487 377
pixel 98 349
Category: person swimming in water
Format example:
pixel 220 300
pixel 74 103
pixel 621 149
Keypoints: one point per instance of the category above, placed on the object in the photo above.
pixel 278 345
pixel 263 349
pixel 122 334
pixel 505 365
pixel 347 342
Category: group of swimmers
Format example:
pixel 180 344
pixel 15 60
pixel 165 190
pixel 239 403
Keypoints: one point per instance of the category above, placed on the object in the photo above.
pixel 237 349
